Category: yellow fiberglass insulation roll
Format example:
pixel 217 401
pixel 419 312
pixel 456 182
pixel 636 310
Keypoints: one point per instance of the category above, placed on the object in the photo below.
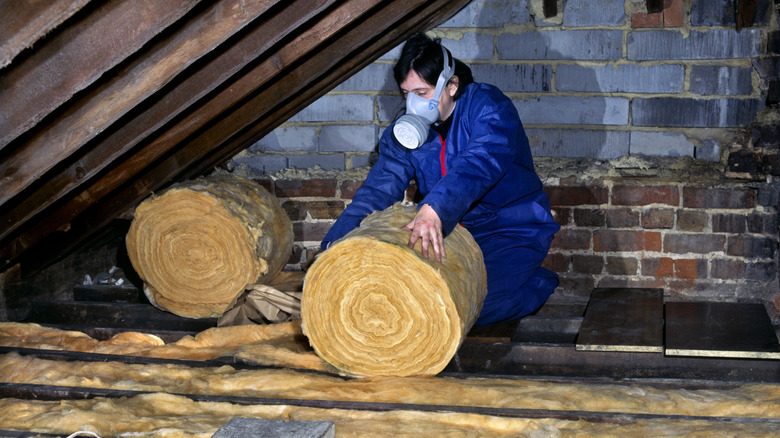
pixel 198 244
pixel 372 306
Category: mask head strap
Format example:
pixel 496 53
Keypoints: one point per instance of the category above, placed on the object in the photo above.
pixel 444 78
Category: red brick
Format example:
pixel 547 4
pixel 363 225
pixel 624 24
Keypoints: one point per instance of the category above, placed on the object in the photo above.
pixel 727 269
pixel 729 223
pixel 696 197
pixel 562 215
pixel 576 196
pixel 267 184
pixel 579 285
pixel 348 188
pixel 303 256
pixel 753 247
pixel 637 195
pixel 761 223
pixel 589 217
pixel 299 210
pixel 632 282
pixel 622 265
pixel 614 240
pixel 568 238
pixel 681 243
pixel 692 220
pixel 641 19
pixel 761 271
pixel 310 231
pixel 622 218
pixel 557 262
pixel 587 264
pixel 690 269
pixel 654 218
pixel 658 267
pixel 290 188
pixel 673 13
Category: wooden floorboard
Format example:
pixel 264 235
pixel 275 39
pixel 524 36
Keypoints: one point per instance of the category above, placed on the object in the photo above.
pixel 716 329
pixel 623 319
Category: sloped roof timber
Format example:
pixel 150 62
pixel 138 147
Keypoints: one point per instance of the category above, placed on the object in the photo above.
pixel 103 102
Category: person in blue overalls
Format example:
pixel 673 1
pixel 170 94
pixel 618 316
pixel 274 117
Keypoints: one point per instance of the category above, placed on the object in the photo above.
pixel 465 147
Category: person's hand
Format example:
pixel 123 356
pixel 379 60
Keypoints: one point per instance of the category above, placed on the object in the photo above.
pixel 426 226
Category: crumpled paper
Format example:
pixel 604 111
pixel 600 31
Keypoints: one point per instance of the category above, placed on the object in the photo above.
pixel 262 304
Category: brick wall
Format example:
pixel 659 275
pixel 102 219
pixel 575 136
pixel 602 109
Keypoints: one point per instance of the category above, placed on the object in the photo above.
pixel 656 136
pixel 602 79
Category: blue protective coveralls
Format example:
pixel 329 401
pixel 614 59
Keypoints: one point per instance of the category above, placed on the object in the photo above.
pixel 482 177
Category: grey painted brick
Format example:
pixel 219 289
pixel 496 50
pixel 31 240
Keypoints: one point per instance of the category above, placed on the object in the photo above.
pixel 721 12
pixel 374 77
pixel 362 160
pixel 721 80
pixel 593 13
pixel 288 138
pixel 325 161
pixel 338 108
pixel 490 13
pixel 577 143
pixel 262 164
pixel 470 46
pixel 708 151
pixel 392 54
pixel 568 110
pixel 565 44
pixel 624 78
pixel 665 144
pixel 713 44
pixel 686 112
pixel 273 163
pixel 346 138
pixel 522 78
pixel 390 107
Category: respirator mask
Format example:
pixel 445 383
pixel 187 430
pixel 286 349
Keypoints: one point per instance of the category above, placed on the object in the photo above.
pixel 411 129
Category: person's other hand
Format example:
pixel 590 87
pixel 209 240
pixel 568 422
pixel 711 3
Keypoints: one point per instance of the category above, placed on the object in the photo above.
pixel 426 226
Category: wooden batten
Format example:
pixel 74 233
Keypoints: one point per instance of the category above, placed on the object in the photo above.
pixel 22 27
pixel 206 83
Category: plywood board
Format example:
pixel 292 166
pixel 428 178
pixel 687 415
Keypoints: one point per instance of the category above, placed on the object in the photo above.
pixel 710 329
pixel 623 319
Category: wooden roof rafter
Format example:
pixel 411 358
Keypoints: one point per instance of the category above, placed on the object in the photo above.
pixel 201 89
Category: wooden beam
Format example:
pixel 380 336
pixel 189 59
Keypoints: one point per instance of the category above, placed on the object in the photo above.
pixel 120 94
pixel 142 78
pixel 74 58
pixel 299 87
pixel 25 22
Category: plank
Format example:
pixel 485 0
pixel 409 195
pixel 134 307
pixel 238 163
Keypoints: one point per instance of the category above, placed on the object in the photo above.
pixel 548 330
pixel 77 56
pixel 162 159
pixel 623 319
pixel 26 21
pixel 130 85
pixel 717 329
pixel 93 112
pixel 124 315
pixel 545 360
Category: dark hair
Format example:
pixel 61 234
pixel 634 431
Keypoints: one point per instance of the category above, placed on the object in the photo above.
pixel 423 55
